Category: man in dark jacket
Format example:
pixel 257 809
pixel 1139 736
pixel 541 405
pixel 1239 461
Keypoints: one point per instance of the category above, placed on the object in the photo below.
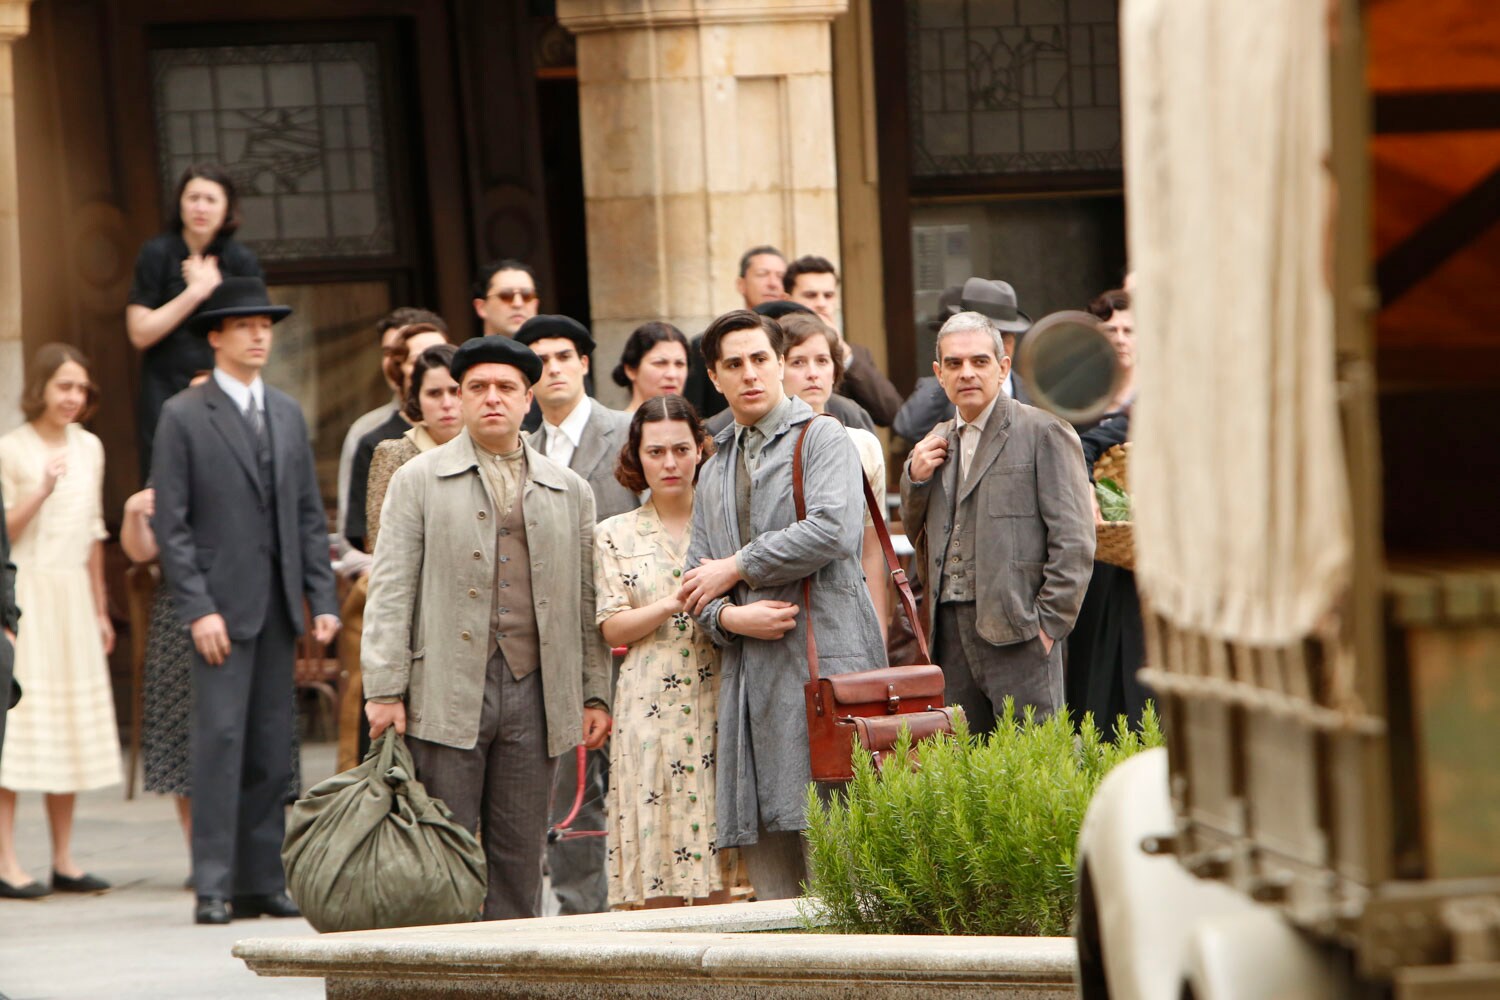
pixel 243 540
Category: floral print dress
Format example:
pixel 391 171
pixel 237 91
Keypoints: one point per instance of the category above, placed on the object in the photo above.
pixel 662 834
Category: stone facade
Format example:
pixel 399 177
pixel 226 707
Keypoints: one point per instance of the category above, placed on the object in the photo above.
pixel 707 128
pixel 14 21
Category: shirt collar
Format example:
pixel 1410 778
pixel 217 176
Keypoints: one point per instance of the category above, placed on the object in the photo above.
pixel 979 421
pixel 239 392
pixel 769 422
pixel 574 423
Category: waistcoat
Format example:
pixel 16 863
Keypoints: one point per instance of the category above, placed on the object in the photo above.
pixel 512 615
pixel 958 555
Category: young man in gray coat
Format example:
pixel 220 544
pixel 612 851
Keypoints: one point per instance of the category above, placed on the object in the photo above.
pixel 479 641
pixel 243 539
pixel 749 555
pixel 1001 484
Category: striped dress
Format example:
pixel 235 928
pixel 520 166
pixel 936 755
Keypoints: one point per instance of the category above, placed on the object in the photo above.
pixel 62 736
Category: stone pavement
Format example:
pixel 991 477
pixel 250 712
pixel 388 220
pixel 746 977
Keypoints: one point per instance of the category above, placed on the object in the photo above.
pixel 139 940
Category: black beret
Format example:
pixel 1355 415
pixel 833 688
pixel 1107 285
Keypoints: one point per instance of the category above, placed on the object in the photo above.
pixel 777 308
pixel 544 327
pixel 495 350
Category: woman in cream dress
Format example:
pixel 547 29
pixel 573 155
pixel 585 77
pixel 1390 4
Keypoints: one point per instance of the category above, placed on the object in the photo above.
pixel 662 846
pixel 61 738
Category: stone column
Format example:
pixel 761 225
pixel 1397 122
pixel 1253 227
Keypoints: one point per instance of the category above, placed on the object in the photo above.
pixel 14 21
pixel 707 128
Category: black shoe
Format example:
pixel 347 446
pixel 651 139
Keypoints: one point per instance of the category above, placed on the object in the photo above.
pixel 277 904
pixel 31 890
pixel 211 910
pixel 83 883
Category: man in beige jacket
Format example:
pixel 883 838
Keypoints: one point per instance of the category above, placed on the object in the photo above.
pixel 479 639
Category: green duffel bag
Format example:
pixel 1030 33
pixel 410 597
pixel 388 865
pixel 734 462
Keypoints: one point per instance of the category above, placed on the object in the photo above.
pixel 370 848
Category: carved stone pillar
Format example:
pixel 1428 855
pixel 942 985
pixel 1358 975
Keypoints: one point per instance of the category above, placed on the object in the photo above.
pixel 707 128
pixel 14 21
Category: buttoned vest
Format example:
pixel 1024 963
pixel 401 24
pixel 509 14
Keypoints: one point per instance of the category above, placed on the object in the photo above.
pixel 513 626
pixel 958 555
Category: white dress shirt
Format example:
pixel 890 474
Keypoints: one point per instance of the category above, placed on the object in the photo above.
pixel 563 439
pixel 241 393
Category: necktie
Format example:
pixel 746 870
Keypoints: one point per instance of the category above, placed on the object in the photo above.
pixel 546 439
pixel 257 423
pixel 742 485
pixel 966 442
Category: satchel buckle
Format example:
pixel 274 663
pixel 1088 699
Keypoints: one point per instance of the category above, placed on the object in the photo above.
pixel 892 700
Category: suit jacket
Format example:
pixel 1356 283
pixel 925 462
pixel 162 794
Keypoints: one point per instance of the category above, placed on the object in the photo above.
pixel 867 385
pixel 594 459
pixel 210 512
pixel 427 617
pixel 1027 501
pixel 762 763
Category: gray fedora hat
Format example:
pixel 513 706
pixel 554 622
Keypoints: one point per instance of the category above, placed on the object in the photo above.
pixel 997 300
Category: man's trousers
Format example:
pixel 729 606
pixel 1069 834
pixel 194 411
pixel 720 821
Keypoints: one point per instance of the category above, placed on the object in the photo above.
pixel 978 675
pixel 501 787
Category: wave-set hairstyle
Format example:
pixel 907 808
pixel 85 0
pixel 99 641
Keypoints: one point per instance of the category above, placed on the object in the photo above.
pixel 628 471
pixel 735 321
pixel 44 364
pixel 1110 302
pixel 642 340
pixel 436 356
pixel 407 316
pixel 801 327
pixel 220 176
pixel 396 360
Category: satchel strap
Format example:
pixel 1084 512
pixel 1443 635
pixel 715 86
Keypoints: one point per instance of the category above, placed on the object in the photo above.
pixel 893 566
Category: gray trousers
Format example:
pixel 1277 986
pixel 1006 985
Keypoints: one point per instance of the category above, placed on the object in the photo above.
pixel 500 787
pixel 978 675
pixel 577 865
pixel 776 863
pixel 242 761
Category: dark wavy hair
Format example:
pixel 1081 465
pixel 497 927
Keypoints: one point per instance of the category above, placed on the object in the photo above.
pixel 735 321
pixel 220 176
pixel 436 356
pixel 642 339
pixel 48 359
pixel 628 469
pixel 1109 303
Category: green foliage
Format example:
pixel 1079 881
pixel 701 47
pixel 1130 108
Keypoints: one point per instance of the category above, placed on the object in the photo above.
pixel 1114 503
pixel 978 837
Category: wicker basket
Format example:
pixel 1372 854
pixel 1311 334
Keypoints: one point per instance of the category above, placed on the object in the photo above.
pixel 1115 540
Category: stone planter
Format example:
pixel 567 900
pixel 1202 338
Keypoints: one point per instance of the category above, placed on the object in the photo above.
pixel 703 951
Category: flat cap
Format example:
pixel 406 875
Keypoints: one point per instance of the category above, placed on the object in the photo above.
pixel 495 350
pixel 545 327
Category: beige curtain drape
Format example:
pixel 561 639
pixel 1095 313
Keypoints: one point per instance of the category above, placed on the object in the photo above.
pixel 1241 505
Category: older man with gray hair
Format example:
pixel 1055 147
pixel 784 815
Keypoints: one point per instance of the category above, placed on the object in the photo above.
pixel 1002 483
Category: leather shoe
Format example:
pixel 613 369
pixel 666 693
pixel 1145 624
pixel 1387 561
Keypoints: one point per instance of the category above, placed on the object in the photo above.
pixel 31 890
pixel 212 910
pixel 276 904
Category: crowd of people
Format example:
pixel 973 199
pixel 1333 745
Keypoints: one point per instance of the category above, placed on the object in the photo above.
pixel 529 571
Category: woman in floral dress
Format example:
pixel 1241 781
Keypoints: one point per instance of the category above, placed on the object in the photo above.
pixel 662 839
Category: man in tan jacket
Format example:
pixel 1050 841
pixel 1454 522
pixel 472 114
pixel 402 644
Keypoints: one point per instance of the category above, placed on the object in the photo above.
pixel 479 639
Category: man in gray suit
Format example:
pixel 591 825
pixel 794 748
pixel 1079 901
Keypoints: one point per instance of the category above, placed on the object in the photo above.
pixel 586 436
pixel 243 538
pixel 479 640
pixel 749 556
pixel 1002 483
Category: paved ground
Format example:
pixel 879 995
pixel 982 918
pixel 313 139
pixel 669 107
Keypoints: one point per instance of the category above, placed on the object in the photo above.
pixel 139 940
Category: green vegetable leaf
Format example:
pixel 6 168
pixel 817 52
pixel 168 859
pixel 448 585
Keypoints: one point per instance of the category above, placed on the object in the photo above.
pixel 1114 503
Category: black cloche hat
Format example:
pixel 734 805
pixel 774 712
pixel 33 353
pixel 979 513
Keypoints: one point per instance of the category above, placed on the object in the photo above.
pixel 495 350
pixel 236 296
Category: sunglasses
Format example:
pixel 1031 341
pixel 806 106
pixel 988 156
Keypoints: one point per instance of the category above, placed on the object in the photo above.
pixel 511 294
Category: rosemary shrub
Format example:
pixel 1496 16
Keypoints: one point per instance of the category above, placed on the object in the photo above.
pixel 979 838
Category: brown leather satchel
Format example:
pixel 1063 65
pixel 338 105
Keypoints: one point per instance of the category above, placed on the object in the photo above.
pixel 867 706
